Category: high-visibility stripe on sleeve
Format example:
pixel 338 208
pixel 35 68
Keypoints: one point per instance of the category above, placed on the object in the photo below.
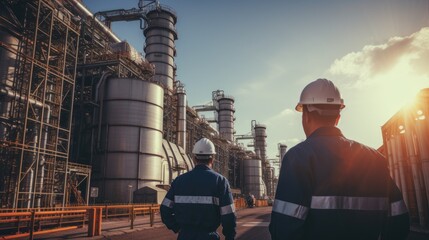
pixel 197 199
pixel 168 203
pixel 398 208
pixel 227 209
pixel 290 209
pixel 349 203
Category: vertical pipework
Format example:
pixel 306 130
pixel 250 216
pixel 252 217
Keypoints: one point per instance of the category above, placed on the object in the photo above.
pixel 423 143
pixel 412 154
pixel 402 168
pixel 226 117
pixel 181 116
pixel 160 33
pixel 9 43
pixel 390 157
pixel 395 161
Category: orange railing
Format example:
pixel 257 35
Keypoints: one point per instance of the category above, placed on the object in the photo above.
pixel 20 223
pixel 31 222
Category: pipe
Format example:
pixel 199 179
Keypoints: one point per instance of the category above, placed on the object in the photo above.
pixel 181 116
pixel 100 110
pixel 88 13
pixel 402 170
pixel 395 162
pixel 42 163
pixel 15 95
pixel 390 157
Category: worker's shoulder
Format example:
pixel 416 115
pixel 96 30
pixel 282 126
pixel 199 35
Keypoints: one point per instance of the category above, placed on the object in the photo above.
pixel 300 149
pixel 362 148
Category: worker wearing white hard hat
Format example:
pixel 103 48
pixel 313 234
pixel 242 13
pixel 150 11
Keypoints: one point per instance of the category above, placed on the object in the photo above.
pixel 200 200
pixel 331 187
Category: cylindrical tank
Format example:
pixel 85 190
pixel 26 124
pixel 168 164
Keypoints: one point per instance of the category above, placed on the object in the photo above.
pixel 226 117
pixel 260 139
pixel 160 34
pixel 252 177
pixel 181 116
pixel 131 136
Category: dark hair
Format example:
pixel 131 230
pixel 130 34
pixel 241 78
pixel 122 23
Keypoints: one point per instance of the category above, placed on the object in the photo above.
pixel 324 119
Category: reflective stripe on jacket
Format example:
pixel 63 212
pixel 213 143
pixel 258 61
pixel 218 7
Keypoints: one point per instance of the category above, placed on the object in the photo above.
pixel 199 200
pixel 334 188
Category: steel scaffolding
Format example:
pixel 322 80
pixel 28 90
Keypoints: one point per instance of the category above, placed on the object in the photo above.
pixel 35 146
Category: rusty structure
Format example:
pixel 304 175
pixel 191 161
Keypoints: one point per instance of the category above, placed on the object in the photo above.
pixel 406 146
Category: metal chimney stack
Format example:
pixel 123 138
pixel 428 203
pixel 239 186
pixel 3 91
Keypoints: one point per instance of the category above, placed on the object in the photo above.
pixel 226 117
pixel 160 33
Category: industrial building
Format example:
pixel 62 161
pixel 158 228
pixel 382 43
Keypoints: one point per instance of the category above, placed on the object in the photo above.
pixel 406 146
pixel 84 116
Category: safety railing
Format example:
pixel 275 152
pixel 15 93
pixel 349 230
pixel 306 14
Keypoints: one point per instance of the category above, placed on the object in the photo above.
pixel 19 223
pixel 34 222
pixel 29 224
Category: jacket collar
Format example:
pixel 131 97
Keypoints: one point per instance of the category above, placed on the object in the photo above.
pixel 326 131
pixel 201 167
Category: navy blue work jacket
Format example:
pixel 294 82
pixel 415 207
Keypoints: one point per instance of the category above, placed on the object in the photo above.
pixel 331 187
pixel 199 201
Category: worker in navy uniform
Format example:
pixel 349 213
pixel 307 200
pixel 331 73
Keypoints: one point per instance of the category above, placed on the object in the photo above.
pixel 331 187
pixel 200 200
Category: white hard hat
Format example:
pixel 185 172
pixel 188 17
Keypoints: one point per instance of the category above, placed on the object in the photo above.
pixel 204 147
pixel 321 91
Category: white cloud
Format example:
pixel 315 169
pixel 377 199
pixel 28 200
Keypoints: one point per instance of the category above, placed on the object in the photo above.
pixel 287 115
pixel 378 80
pixel 408 55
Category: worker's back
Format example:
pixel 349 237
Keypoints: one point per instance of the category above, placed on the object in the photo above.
pixel 200 184
pixel 202 200
pixel 344 188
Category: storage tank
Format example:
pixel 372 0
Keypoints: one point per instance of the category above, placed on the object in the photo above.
pixel 226 117
pixel 160 49
pixel 131 137
pixel 252 177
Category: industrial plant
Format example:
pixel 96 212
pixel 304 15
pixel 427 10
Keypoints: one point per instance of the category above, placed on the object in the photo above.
pixel 406 146
pixel 85 118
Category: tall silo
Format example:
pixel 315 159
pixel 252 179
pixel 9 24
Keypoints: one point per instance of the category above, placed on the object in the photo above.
pixel 131 138
pixel 226 117
pixel 160 49
pixel 260 140
pixel 252 177
pixel 282 151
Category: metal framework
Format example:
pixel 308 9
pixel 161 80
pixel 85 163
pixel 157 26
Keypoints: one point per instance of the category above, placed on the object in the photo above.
pixel 35 148
pixel 96 62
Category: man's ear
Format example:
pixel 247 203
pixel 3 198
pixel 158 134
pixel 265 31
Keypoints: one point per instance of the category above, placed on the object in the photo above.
pixel 337 120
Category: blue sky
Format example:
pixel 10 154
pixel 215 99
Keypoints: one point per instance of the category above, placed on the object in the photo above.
pixel 264 52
